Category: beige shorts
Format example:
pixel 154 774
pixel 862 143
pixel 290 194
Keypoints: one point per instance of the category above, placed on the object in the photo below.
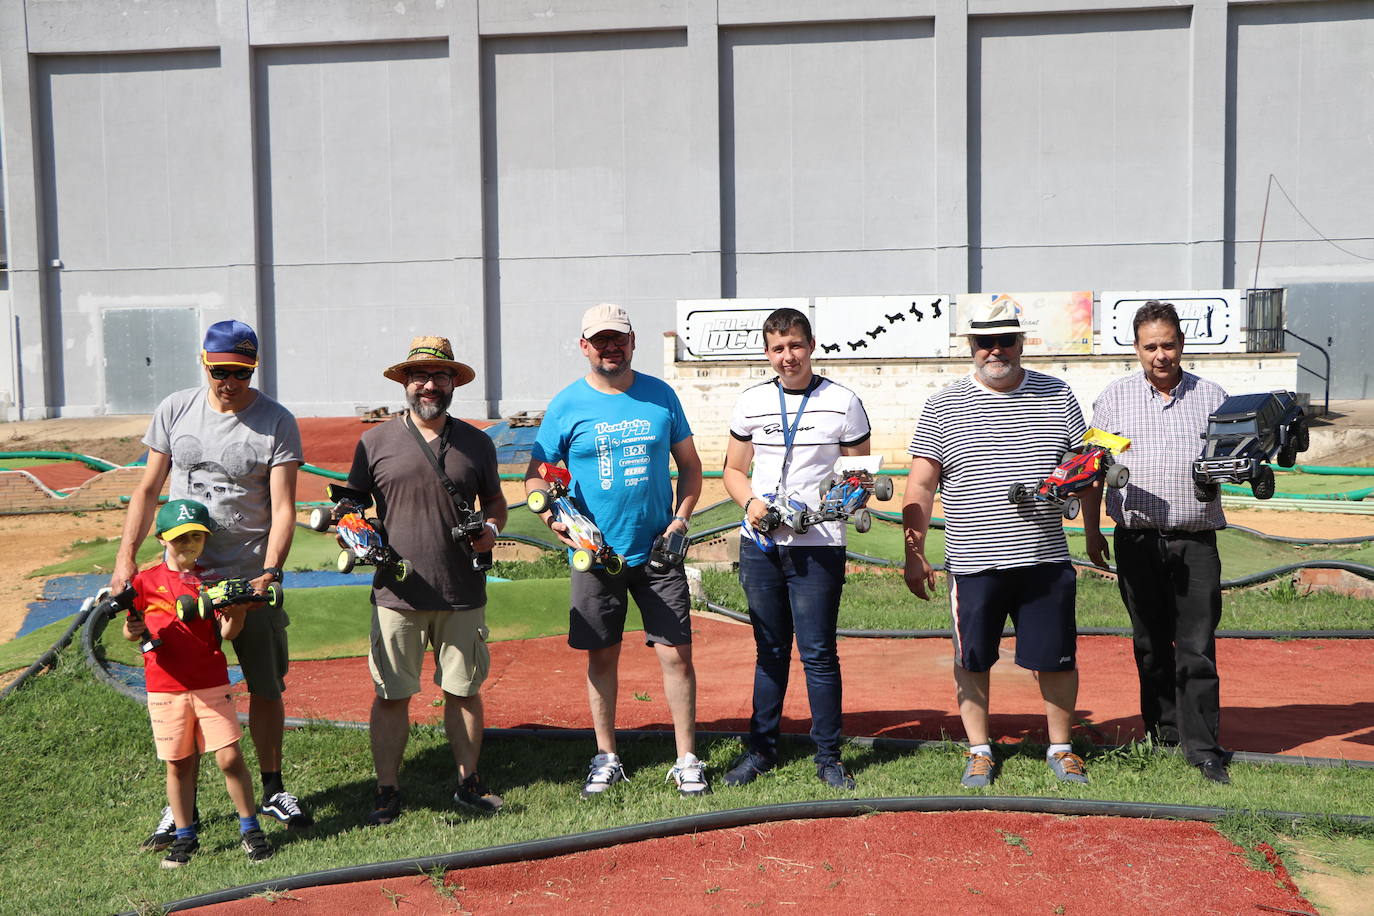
pixel 399 642
pixel 192 722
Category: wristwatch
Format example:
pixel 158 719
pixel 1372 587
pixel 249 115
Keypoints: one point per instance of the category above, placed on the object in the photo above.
pixel 275 572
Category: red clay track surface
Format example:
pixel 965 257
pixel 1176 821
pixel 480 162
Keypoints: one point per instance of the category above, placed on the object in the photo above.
pixel 963 862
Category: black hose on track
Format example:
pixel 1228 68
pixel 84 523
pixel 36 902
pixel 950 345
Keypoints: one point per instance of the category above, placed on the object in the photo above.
pixel 48 658
pixel 720 820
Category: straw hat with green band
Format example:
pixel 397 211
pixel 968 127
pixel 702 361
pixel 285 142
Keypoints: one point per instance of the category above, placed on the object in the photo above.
pixel 431 353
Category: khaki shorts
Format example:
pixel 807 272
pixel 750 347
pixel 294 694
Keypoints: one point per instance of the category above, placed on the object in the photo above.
pixel 192 722
pixel 399 641
pixel 262 651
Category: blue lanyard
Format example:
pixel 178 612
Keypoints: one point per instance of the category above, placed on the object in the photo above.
pixel 789 434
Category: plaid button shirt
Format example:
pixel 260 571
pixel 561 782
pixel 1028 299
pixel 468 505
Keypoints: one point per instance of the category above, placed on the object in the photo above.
pixel 1166 436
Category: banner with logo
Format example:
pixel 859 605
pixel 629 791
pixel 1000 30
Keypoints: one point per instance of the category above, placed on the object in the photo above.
pixel 881 327
pixel 728 328
pixel 1213 320
pixel 1055 322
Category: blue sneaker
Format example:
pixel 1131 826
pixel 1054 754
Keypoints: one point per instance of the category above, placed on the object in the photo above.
pixel 1068 767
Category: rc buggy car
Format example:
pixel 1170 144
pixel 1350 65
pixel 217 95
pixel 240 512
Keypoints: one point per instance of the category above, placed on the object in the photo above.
pixel 362 539
pixel 845 494
pixel 1078 470
pixel 788 511
pixel 1243 434
pixel 223 594
pixel 591 545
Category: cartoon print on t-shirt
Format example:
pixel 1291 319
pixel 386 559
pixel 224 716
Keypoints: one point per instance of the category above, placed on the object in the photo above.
pixel 215 483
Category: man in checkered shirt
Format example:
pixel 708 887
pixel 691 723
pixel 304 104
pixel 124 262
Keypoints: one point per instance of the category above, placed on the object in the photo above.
pixel 1167 564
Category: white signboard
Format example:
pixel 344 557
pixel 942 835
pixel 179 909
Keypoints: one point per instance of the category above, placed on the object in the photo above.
pixel 1055 322
pixel 1213 320
pixel 727 328
pixel 881 327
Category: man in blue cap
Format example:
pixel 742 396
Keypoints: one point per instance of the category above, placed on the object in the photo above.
pixel 237 451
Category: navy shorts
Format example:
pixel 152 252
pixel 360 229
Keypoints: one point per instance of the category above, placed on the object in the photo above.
pixel 1040 602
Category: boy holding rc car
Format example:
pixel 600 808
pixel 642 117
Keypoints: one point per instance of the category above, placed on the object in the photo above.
pixel 188 678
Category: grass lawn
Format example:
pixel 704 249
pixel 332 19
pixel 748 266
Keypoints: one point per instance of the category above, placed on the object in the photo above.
pixel 82 780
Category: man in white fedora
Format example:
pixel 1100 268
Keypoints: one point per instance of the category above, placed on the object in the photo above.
pixel 996 426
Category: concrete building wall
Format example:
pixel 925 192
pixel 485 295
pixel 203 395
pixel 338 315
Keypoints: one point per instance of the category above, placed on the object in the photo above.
pixel 348 174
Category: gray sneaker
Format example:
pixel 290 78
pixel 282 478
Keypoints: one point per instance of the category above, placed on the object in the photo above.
pixel 980 771
pixel 689 774
pixel 604 772
pixel 1068 767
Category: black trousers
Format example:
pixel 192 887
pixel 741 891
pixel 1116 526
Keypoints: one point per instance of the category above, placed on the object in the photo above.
pixel 1171 585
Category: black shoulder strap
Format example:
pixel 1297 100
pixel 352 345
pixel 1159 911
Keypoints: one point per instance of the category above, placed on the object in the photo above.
pixel 449 485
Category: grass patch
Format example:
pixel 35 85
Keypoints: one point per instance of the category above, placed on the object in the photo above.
pixel 81 769
pixel 881 601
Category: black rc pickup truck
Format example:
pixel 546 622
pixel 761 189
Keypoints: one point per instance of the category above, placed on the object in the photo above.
pixel 1243 435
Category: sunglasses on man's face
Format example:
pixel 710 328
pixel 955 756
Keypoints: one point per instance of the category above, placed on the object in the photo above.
pixel 988 341
pixel 220 375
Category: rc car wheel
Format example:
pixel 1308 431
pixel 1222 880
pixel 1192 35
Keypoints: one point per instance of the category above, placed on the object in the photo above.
pixel 1071 507
pixel 402 570
pixel 1262 485
pixel 1302 438
pixel 187 609
pixel 1117 476
pixel 205 608
pixel 538 501
pixel 346 560
pixel 1205 492
pixel 803 524
pixel 582 559
pixel 274 596
pixel 1286 457
pixel 615 564
pixel 1018 493
pixel 882 488
pixel 863 520
pixel 319 519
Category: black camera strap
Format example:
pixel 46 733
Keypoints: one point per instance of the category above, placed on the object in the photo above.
pixel 448 483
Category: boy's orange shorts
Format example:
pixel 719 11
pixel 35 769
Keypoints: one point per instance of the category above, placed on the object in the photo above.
pixel 192 722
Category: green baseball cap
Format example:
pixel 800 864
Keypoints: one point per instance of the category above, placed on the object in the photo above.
pixel 179 516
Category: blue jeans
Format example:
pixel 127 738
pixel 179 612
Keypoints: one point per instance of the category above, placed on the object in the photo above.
pixel 794 591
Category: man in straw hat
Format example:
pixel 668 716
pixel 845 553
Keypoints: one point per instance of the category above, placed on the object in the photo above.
pixel 615 429
pixel 996 426
pixel 441 603
pixel 236 450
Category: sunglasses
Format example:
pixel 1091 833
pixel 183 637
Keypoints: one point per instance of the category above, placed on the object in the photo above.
pixel 220 375
pixel 988 341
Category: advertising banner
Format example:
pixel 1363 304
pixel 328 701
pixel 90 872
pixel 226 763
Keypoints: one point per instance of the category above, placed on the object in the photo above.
pixel 1212 319
pixel 1056 322
pixel 881 327
pixel 727 328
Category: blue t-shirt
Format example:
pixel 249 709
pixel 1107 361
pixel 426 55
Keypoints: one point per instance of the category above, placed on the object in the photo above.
pixel 617 446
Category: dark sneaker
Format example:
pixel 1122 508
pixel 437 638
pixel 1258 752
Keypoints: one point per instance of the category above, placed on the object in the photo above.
pixel 747 768
pixel 286 808
pixel 604 772
pixel 255 845
pixel 689 775
pixel 386 807
pixel 166 830
pixel 980 771
pixel 183 847
pixel 1215 770
pixel 834 776
pixel 478 797
pixel 1068 767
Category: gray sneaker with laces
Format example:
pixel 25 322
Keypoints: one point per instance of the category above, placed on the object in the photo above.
pixel 979 772
pixel 689 774
pixel 604 772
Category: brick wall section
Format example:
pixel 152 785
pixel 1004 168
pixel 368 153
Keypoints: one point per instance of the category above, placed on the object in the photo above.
pixel 20 492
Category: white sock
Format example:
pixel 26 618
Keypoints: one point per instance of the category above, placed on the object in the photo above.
pixel 984 749
pixel 1057 749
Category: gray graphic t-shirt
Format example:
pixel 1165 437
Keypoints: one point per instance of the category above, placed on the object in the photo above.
pixel 224 460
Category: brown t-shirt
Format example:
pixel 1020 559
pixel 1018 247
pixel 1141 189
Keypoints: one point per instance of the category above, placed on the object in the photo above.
pixel 418 512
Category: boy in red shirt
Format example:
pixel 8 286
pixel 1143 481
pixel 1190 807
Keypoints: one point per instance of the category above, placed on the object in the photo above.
pixel 188 681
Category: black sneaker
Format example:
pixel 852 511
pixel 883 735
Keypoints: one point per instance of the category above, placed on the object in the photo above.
pixel 834 776
pixel 478 797
pixel 255 844
pixel 183 847
pixel 286 808
pixel 386 806
pixel 747 768
pixel 166 830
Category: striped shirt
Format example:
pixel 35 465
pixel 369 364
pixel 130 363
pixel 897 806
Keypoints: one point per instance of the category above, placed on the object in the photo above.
pixel 1166 435
pixel 834 417
pixel 985 441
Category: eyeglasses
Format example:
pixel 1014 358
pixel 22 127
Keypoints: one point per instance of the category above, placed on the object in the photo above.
pixel 220 375
pixel 602 341
pixel 988 341
pixel 418 377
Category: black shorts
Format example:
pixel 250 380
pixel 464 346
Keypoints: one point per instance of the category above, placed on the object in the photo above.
pixel 1040 602
pixel 600 602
